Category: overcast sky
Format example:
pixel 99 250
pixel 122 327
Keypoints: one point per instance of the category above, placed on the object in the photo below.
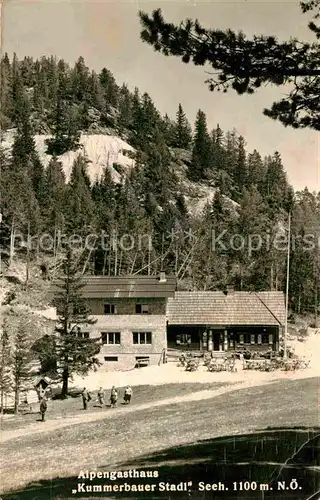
pixel 106 33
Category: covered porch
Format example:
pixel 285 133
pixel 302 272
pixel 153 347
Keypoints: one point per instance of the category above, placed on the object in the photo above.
pixel 222 339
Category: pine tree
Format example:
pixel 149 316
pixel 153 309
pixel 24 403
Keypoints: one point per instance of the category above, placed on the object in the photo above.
pixel 252 221
pixel 110 88
pixel 146 122
pixel 45 350
pixel 24 154
pixel 26 67
pixel 79 205
pixel 5 366
pixel 183 132
pixel 168 130
pixel 18 93
pixel 20 206
pixel 125 109
pixel 158 176
pixel 38 99
pixel 6 101
pixel 53 206
pixel 256 170
pixel 210 266
pixel 136 134
pixel 103 197
pixel 231 152
pixel 202 149
pixel 150 127
pixel 65 118
pixel 304 264
pixel 218 153
pixel 241 172
pixel 21 354
pixel 275 182
pixel 95 91
pixel 40 93
pixel 75 354
pixel 80 81
pixel 223 220
pixel 245 64
pixel 50 69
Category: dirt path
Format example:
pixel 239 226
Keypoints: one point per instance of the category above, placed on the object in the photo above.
pixel 58 422
pixel 255 380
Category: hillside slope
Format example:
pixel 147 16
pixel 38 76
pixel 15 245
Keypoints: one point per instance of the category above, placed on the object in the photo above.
pixel 101 150
pixel 113 152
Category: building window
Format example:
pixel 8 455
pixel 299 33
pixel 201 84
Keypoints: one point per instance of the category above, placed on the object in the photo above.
pixel 110 309
pixel 252 338
pixel 110 337
pixel 83 335
pixel 259 338
pixel 241 338
pixel 142 338
pixel 142 361
pixel 270 338
pixel 142 308
pixel 183 339
pixel 111 359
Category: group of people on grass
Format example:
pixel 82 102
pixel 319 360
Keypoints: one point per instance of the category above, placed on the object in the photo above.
pixel 86 397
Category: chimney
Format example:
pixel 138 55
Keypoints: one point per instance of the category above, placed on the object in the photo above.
pixel 162 278
pixel 230 289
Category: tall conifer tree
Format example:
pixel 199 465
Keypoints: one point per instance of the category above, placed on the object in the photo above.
pixel 183 132
pixel 76 354
pixel 202 149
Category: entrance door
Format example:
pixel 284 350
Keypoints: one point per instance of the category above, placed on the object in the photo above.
pixel 216 341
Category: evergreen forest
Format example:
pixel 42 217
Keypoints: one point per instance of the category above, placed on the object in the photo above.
pixel 239 237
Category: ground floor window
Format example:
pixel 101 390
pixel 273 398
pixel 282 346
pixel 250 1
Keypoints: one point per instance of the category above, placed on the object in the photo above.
pixel 110 359
pixel 142 361
pixel 254 338
pixel 110 338
pixel 183 339
pixel 142 337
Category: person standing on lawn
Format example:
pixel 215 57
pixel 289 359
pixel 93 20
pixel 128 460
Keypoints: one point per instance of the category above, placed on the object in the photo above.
pixel 101 396
pixel 43 408
pixel 113 397
pixel 85 398
pixel 127 395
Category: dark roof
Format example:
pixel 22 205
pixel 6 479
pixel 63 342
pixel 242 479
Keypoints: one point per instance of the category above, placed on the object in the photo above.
pixel 235 308
pixel 106 287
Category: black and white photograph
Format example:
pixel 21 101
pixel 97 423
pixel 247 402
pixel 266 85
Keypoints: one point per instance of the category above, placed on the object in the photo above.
pixel 160 250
